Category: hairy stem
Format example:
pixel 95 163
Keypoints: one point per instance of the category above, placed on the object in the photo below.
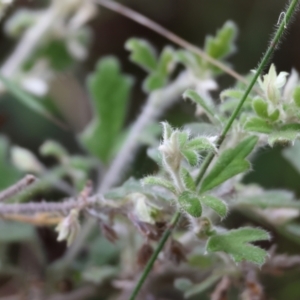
pixel 266 58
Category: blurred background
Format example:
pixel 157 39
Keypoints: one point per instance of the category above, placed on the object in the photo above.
pixel 191 20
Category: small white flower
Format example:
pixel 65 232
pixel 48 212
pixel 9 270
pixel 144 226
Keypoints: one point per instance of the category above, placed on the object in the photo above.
pixel 290 86
pixel 271 84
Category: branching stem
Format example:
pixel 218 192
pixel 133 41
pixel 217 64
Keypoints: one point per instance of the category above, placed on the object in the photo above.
pixel 266 58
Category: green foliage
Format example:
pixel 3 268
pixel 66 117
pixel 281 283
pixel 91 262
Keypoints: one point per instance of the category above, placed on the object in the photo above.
pixel 215 204
pixel 188 179
pixel 152 180
pixel 190 203
pixel 255 124
pixel 109 90
pixel 218 47
pixel 230 163
pixel 236 244
pixel 143 54
pixel 222 44
pixel 283 137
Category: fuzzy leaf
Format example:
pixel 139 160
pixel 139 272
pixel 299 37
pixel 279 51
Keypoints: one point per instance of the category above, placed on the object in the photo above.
pixel 189 203
pixel 236 244
pixel 196 98
pixel 153 180
pixel 183 137
pixel 215 204
pixel 110 91
pixel 222 44
pixel 296 96
pixel 188 180
pixel 167 130
pixel 283 137
pixel 142 53
pixel 191 157
pixel 230 163
pixel 201 144
pixel 258 125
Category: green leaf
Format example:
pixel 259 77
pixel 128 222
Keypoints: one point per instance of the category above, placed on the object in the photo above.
pixel 191 156
pixel 110 91
pixel 216 204
pixel 188 179
pixel 296 96
pixel 142 53
pixel 222 44
pixel 283 137
pixel 271 199
pixel 236 244
pixel 10 174
pixel 183 137
pixel 29 101
pixel 167 130
pixel 197 99
pixel 153 180
pixel 201 144
pixel 202 286
pixel 189 203
pixel 260 107
pixel 182 284
pixel 258 125
pixel 230 163
pixel 154 81
pixel 166 61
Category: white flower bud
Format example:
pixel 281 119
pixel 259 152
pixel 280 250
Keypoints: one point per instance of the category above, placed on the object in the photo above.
pixel 69 227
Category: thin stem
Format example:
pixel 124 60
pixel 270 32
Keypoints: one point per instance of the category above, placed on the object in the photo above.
pixel 209 158
pixel 17 188
pixel 144 21
pixel 266 58
pixel 154 256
